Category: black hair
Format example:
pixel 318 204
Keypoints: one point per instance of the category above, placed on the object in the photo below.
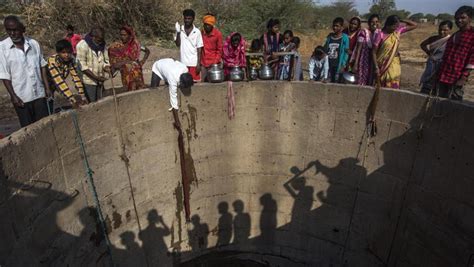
pixel 468 10
pixel 391 20
pixel 338 20
pixel 97 29
pixel 356 18
pixel 318 51
pixel 373 16
pixel 289 32
pixel 447 23
pixel 69 27
pixel 272 22
pixel 256 45
pixel 189 13
pixel 62 45
pixel 15 19
pixel 297 41
pixel 185 83
pixel 236 37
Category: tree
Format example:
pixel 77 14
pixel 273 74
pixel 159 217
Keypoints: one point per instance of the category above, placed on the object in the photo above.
pixel 401 13
pixel 382 7
pixel 445 16
pixel 430 17
pixel 417 16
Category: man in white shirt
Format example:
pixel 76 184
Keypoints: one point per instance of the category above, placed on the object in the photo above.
pixel 189 41
pixel 23 72
pixel 176 75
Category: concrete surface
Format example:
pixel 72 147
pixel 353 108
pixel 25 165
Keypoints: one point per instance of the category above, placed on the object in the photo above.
pixel 292 180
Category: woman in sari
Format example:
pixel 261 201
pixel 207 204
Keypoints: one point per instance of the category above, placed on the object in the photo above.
pixel 353 32
pixel 434 47
pixel 270 41
pixel 125 56
pixel 385 50
pixel 234 53
pixel 362 62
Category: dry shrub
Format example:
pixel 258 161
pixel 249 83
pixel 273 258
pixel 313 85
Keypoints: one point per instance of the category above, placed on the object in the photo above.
pixel 151 19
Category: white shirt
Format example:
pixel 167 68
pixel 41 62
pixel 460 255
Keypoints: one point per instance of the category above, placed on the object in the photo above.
pixel 189 46
pixel 23 68
pixel 318 69
pixel 169 71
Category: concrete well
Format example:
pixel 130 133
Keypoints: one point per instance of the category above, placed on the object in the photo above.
pixel 292 180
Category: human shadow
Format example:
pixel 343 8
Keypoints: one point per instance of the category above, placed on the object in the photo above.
pixel 153 242
pixel 268 218
pixel 132 255
pixel 241 223
pixel 303 195
pixel 224 226
pixel 198 235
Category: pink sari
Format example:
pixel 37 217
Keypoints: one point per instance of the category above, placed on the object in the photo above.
pixel 233 56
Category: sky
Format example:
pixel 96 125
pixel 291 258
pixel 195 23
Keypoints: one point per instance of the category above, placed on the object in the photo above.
pixel 414 6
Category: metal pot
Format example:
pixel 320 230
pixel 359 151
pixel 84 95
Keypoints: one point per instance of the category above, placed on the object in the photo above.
pixel 215 74
pixel 236 74
pixel 253 73
pixel 349 77
pixel 266 72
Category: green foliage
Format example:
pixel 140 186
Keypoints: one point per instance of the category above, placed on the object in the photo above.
pixel 445 16
pixel 417 16
pixel 325 15
pixel 47 21
pixel 430 17
pixel 383 8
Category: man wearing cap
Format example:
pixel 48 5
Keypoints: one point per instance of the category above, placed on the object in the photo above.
pixel 212 50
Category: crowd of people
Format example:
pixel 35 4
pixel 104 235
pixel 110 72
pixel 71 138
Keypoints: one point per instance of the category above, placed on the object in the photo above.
pixel 82 64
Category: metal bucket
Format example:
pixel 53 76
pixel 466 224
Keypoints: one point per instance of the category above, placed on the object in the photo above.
pixel 253 73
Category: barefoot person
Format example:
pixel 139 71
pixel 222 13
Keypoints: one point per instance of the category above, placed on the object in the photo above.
pixel 23 72
pixel 458 59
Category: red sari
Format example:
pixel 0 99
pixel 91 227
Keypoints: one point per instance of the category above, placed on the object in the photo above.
pixel 132 74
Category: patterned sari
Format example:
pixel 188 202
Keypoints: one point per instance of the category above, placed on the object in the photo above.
pixel 363 57
pixel 131 72
pixel 388 61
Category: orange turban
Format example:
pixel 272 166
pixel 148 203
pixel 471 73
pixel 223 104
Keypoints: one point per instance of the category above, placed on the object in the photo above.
pixel 209 19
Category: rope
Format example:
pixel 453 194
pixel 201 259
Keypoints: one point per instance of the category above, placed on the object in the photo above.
pixel 92 187
pixel 123 155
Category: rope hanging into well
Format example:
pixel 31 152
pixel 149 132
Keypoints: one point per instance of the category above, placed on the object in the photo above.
pixel 90 180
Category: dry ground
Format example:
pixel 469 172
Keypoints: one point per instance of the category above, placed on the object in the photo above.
pixel 413 60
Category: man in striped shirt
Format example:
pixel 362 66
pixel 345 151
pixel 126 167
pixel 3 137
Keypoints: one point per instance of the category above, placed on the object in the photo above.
pixel 59 68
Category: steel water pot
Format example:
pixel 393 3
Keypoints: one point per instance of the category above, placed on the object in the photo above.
pixel 215 74
pixel 266 72
pixel 253 73
pixel 236 74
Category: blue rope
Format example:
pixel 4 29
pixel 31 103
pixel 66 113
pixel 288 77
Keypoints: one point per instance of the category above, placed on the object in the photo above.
pixel 90 179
